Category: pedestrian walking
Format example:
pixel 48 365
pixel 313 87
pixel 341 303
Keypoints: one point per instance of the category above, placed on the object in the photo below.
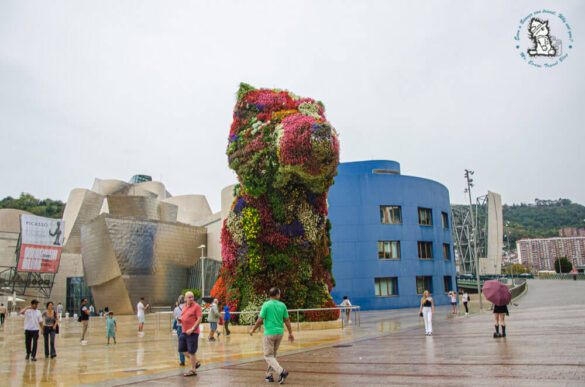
pixel 191 317
pixel 427 308
pixel 91 311
pixel 273 315
pixel 111 327
pixel 2 314
pixel 83 319
pixel 346 302
pixel 50 321
pixel 453 296
pixel 500 313
pixel 213 319
pixel 107 310
pixel 226 319
pixel 59 311
pixel 179 327
pixel 33 323
pixel 465 299
pixel 140 309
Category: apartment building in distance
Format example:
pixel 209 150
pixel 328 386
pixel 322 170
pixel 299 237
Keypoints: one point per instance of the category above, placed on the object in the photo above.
pixel 541 253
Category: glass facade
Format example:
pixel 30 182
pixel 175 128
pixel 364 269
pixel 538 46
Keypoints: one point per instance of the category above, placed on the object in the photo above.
pixel 76 291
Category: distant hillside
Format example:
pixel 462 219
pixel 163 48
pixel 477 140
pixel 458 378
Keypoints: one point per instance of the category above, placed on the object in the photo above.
pixel 542 219
pixel 47 207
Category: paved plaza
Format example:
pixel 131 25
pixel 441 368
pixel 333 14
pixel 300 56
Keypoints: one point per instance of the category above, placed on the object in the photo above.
pixel 546 334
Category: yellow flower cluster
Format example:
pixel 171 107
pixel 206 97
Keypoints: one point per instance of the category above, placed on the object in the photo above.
pixel 251 223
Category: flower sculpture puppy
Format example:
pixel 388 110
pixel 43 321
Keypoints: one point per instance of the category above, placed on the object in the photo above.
pixel 285 154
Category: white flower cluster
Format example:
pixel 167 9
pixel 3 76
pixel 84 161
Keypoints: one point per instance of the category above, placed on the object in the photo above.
pixel 310 109
pixel 234 225
pixel 310 221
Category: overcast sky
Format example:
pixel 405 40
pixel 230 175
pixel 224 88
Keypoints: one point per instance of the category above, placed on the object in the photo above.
pixel 110 89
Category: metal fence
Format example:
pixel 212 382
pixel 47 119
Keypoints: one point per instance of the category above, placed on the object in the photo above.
pixel 558 276
pixel 163 316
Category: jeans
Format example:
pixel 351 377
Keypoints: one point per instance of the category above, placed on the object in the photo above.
pixel 226 324
pixel 466 309
pixel 179 331
pixel 2 316
pixel 30 340
pixel 49 336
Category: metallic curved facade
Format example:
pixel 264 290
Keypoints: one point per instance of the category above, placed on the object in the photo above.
pixel 125 258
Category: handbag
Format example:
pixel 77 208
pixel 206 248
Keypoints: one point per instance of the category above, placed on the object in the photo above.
pixel 420 314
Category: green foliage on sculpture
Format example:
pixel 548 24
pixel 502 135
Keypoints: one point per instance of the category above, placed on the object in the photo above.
pixel 285 154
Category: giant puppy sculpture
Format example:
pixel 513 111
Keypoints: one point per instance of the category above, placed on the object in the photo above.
pixel 285 155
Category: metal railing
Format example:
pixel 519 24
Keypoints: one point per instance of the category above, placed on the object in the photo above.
pixel 557 276
pixel 355 308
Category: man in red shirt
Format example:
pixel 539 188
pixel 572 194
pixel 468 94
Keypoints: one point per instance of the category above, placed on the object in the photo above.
pixel 191 317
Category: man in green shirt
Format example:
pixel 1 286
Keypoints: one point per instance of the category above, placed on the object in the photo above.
pixel 273 315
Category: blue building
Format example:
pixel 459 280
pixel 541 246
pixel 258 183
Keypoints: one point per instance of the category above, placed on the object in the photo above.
pixel 391 237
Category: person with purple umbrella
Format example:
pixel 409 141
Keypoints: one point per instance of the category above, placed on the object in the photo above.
pixel 499 294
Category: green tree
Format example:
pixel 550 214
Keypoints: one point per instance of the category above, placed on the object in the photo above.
pixel 27 202
pixel 563 265
pixel 515 269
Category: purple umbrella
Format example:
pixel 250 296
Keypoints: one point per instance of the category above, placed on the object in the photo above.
pixel 496 292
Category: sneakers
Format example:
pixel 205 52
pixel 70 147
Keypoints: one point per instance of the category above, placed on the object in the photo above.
pixel 212 339
pixel 27 357
pixel 269 379
pixel 33 359
pixel 182 363
pixel 83 342
pixel 283 376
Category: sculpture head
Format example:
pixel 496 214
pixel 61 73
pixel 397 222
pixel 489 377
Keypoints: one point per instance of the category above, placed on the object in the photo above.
pixel 278 138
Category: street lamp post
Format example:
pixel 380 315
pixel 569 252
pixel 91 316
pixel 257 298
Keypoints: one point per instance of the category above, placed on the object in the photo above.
pixel 202 271
pixel 468 175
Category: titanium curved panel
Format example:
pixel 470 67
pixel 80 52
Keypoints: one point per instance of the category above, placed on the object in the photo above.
pixel 142 207
pixel 153 258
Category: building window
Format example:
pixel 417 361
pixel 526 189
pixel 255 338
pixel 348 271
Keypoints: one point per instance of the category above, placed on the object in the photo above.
pixel 425 216
pixel 447 284
pixel 386 287
pixel 388 249
pixel 446 251
pixel 424 283
pixel 391 214
pixel 425 250
pixel 445 219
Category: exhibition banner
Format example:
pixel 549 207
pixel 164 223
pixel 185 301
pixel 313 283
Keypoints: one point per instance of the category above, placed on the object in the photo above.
pixel 41 242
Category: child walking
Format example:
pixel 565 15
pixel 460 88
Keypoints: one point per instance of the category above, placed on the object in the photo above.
pixel 111 327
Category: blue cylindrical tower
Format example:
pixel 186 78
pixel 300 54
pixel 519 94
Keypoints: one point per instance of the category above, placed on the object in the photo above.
pixel 391 236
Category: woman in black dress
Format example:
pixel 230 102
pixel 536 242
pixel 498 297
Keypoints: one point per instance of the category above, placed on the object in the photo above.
pixel 500 312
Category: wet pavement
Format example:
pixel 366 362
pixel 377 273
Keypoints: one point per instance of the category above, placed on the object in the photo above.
pixel 544 346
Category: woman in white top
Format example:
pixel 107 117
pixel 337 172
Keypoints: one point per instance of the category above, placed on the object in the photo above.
pixel 453 296
pixel 465 299
pixel 427 308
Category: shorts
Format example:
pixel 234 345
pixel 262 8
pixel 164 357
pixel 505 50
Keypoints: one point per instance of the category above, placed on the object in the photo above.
pixel 141 319
pixel 453 303
pixel 212 326
pixel 188 343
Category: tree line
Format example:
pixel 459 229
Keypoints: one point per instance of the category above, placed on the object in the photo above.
pixel 42 207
